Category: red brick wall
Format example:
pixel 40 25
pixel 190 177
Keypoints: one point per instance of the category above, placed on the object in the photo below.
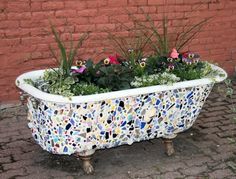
pixel 25 33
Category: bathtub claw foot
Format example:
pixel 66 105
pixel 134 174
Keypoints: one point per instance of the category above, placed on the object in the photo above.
pixel 168 142
pixel 87 164
pixel 86 158
pixel 169 147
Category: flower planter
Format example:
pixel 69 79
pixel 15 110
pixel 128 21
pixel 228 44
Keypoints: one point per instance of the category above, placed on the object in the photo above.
pixel 83 124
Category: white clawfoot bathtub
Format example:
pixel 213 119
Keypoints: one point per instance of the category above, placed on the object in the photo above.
pixel 83 124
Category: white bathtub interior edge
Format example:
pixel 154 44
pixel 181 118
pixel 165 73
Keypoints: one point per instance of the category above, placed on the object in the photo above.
pixel 110 95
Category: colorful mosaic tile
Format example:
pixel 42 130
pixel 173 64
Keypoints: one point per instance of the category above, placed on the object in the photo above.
pixel 70 128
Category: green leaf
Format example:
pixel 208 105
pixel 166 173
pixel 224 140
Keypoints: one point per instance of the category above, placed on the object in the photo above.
pixel 69 80
pixel 63 61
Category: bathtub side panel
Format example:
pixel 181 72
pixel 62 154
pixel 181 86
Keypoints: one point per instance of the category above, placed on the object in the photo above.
pixel 70 128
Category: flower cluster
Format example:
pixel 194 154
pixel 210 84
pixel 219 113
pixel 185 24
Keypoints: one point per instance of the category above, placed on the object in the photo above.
pixel 115 73
pixel 129 68
pixel 155 79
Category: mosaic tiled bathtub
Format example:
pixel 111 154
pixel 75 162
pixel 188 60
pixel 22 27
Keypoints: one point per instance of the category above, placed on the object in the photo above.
pixel 88 123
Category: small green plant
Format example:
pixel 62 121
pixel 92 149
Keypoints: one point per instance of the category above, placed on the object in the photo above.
pixel 114 77
pixel 66 59
pixel 29 81
pixel 133 65
pixel 60 81
pixel 57 85
pixel 131 49
pixel 193 71
pixel 155 79
pixel 87 89
pixel 159 37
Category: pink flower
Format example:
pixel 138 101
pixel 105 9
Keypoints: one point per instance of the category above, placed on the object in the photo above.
pixel 80 70
pixel 174 53
pixel 113 59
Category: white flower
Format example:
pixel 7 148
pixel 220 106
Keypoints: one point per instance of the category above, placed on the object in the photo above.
pixel 154 79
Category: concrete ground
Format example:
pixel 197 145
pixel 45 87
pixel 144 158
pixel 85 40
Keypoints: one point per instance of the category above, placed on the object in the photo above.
pixel 207 150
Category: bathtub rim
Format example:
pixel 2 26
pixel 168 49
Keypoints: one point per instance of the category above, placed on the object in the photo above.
pixel 31 90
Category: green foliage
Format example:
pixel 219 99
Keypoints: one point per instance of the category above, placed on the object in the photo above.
pixel 91 73
pixel 69 86
pixel 58 84
pixel 159 37
pixel 88 89
pixel 128 69
pixel 60 81
pixel 193 71
pixel 156 64
pixel 114 77
pixel 155 79
pixel 66 60
pixel 132 48
pixel 29 81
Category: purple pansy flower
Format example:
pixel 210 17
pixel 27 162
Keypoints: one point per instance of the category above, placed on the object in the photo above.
pixel 80 70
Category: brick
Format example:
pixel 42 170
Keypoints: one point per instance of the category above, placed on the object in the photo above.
pixel 210 130
pixel 156 2
pixel 5 160
pixel 42 15
pixel 8 24
pixel 195 170
pixel 102 27
pixel 173 167
pixel 147 9
pixel 216 113
pixel 19 32
pixel 21 6
pixel 35 40
pixel 221 173
pixel 17 165
pixel 13 173
pixel 87 13
pixel 18 16
pixel 36 6
pixel 224 128
pixel 137 2
pixel 227 133
pixel 171 175
pixel 31 23
pixel 211 124
pixel 99 19
pixel 85 28
pixel 222 156
pixel 96 4
pixel 79 20
pixel 226 148
pixel 117 3
pixel 119 18
pixel 65 13
pixel 72 5
pixel 114 10
pixel 52 5
pixel 192 2
pixel 10 42
pixel 39 31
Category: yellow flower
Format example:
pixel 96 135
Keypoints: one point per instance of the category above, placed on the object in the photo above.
pixel 106 61
pixel 170 59
pixel 191 55
pixel 142 64
pixel 79 63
